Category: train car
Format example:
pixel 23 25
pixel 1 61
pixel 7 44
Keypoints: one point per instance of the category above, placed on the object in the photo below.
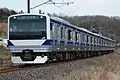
pixel 39 38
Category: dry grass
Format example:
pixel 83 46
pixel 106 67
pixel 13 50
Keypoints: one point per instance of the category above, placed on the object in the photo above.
pixel 4 53
pixel 109 69
pixel 5 58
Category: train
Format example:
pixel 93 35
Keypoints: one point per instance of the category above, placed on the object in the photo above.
pixel 41 38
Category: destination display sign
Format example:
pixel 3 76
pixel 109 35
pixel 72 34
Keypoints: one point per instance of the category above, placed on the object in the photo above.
pixel 28 17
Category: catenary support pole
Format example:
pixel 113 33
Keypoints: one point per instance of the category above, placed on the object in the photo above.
pixel 28 6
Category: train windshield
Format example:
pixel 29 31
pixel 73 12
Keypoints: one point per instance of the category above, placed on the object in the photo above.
pixel 27 27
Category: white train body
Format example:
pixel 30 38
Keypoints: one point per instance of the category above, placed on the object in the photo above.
pixel 37 38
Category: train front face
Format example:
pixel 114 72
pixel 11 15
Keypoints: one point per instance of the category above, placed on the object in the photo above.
pixel 27 38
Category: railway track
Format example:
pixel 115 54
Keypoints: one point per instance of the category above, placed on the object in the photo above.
pixel 17 68
pixel 29 66
pixel 32 66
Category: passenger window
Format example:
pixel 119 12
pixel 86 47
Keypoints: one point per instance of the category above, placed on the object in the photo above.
pixel 76 36
pixel 100 40
pixel 66 34
pixel 87 39
pixel 51 26
pixel 79 36
pixel 91 39
pixel 83 37
pixel 57 32
pixel 97 41
pixel 62 32
pixel 69 35
pixel 94 40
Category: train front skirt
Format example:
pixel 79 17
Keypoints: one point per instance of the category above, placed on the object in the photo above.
pixel 38 59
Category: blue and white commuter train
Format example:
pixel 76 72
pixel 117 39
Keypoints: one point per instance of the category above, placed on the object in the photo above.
pixel 38 38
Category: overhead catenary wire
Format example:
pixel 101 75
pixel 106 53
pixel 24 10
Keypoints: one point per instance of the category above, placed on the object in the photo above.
pixel 40 5
pixel 52 2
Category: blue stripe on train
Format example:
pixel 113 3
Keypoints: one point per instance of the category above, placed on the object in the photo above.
pixel 69 42
pixel 10 43
pixel 76 43
pixel 62 42
pixel 48 42
pixel 82 43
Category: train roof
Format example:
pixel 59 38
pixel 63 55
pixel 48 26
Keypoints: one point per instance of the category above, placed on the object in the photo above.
pixel 61 20
pixel 83 29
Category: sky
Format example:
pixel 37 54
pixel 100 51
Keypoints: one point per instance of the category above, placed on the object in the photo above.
pixel 80 7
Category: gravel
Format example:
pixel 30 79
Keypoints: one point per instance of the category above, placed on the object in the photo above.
pixel 53 72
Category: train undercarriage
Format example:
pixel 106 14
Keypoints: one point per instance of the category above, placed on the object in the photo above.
pixel 43 57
